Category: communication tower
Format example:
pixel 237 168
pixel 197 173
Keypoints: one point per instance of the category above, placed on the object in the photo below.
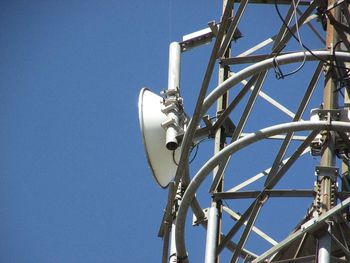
pixel 283 103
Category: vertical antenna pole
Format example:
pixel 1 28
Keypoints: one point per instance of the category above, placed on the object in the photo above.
pixel 172 95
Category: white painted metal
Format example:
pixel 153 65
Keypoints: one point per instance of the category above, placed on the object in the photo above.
pixel 159 158
pixel 171 125
pixel 324 248
pixel 231 149
pixel 173 254
pixel 316 125
pixel 197 34
pixel 270 100
pixel 258 176
pixel 255 229
pixel 212 230
pixel 264 65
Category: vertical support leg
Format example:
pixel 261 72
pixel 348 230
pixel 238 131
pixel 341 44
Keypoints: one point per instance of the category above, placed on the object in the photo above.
pixel 212 230
pixel 173 256
pixel 215 210
pixel 328 158
pixel 324 249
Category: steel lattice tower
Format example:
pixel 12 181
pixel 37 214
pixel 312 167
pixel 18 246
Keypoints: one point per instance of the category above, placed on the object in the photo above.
pixel 321 138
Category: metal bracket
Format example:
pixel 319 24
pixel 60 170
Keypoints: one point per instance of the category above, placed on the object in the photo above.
pixel 327 171
pixel 169 107
pixel 207 121
pixel 203 36
pixel 197 221
pixel 171 122
pixel 213 27
pixel 309 223
pixel 328 115
pixel 316 145
pixel 197 38
pixel 170 93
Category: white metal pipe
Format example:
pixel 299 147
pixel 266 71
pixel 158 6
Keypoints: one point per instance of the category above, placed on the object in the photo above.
pixel 172 94
pixel 173 254
pixel 174 66
pixel 231 149
pixel 212 232
pixel 240 76
pixel 266 64
pixel 324 249
pixel 222 88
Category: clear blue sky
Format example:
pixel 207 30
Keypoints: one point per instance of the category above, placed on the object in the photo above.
pixel 74 182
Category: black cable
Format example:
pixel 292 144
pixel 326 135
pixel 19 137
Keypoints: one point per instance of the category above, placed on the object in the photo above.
pixel 293 35
pixel 176 163
pixel 337 62
pixel 278 70
pixel 195 154
pixel 341 78
pixel 196 146
pixel 276 67
pixel 335 58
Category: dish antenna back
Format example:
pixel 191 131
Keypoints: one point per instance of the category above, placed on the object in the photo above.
pixel 162 161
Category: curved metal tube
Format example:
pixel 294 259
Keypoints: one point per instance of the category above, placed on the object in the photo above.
pixel 241 75
pixel 264 65
pixel 231 149
pixel 235 79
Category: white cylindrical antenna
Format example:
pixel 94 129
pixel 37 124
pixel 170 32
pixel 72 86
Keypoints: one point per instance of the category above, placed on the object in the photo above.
pixel 172 95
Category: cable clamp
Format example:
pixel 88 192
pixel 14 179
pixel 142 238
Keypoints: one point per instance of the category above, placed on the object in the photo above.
pixel 327 171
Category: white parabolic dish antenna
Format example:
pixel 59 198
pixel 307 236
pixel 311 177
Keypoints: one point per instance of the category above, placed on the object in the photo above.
pixel 161 160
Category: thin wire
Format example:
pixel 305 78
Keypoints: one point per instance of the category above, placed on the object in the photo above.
pixel 276 66
pixel 293 35
pixel 298 33
pixel 175 162
pixel 341 77
pixel 278 70
pixel 335 58
pixel 196 146
pixel 337 62
pixel 195 153
pixel 170 21
pixel 327 63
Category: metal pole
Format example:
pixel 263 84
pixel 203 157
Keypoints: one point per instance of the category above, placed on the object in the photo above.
pixel 177 202
pixel 212 229
pixel 324 249
pixel 215 211
pixel 328 157
pixel 238 145
pixel 345 163
pixel 172 96
pixel 173 255
pixel 174 66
